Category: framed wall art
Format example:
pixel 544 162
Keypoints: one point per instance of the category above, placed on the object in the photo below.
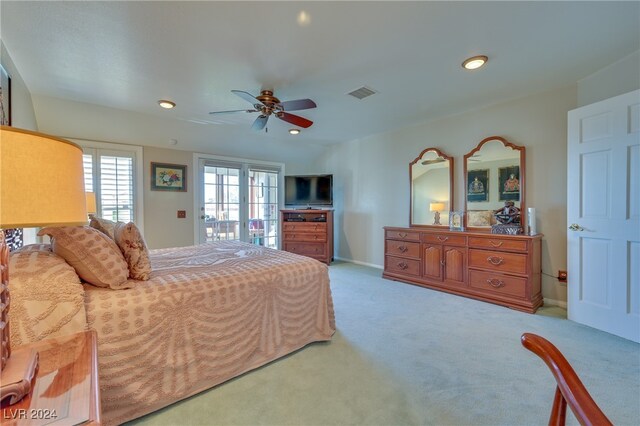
pixel 168 177
pixel 509 183
pixel 477 185
pixel 5 97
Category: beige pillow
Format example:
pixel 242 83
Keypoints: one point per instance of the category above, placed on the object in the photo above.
pixel 103 225
pixel 47 299
pixel 479 218
pixel 95 257
pixel 134 249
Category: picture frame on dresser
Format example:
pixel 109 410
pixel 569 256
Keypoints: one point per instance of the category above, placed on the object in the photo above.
pixel 456 220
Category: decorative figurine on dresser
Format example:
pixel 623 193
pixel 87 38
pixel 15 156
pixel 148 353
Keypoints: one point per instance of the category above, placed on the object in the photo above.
pixel 502 268
pixel 509 218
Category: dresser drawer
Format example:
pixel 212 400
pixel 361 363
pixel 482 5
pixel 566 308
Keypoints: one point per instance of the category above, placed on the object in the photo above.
pixel 402 248
pixel 302 236
pixel 306 248
pixel 498 243
pixel 497 283
pixel 402 235
pixel 498 261
pixel 320 227
pixel 448 239
pixel 401 265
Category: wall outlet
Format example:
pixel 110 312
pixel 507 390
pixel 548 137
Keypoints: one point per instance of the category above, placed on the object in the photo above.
pixel 182 214
pixel 562 276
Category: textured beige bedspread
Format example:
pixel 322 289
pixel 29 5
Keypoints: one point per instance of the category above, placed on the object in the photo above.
pixel 209 313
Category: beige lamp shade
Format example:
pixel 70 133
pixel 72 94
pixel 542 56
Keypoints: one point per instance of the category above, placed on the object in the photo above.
pixel 91 202
pixel 41 180
pixel 436 207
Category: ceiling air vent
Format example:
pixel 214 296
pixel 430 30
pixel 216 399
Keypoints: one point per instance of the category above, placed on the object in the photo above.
pixel 362 93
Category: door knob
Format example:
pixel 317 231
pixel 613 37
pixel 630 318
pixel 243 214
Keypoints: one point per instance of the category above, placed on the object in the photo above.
pixel 576 227
pixel 202 217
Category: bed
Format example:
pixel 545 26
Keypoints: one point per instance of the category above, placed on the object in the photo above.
pixel 207 314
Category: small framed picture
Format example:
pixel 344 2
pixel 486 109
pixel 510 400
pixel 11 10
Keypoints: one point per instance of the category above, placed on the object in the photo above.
pixel 456 221
pixel 168 177
pixel 509 183
pixel 477 185
pixel 5 97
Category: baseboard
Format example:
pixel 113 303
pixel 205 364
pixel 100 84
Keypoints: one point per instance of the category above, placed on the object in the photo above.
pixel 357 262
pixel 553 302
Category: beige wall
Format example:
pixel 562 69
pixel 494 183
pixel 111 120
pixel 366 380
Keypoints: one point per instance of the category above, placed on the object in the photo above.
pixel 22 113
pixel 620 77
pixel 161 223
pixel 372 175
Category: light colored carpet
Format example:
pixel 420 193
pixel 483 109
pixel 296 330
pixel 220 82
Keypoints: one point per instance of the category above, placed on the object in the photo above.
pixel 406 355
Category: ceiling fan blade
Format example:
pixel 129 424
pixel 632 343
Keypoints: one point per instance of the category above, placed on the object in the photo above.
pixel 260 122
pixel 234 110
pixel 298 104
pixel 247 97
pixel 294 119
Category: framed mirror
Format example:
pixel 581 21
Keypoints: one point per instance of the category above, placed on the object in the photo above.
pixel 431 176
pixel 494 174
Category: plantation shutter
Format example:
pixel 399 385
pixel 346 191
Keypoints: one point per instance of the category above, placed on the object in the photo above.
pixel 110 174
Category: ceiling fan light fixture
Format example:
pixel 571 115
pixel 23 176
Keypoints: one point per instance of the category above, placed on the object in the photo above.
pixel 294 131
pixel 475 62
pixel 166 104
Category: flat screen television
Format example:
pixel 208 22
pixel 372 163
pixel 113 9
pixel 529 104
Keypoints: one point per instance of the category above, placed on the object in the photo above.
pixel 308 191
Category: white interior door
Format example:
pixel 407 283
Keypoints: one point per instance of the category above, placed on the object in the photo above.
pixel 603 213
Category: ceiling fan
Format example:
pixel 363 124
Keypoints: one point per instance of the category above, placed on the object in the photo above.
pixel 267 104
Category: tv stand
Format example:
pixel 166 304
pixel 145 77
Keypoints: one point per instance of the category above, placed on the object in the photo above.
pixel 308 232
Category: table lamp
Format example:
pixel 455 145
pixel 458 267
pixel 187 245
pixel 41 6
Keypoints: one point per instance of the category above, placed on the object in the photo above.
pixel 436 207
pixel 41 184
pixel 91 203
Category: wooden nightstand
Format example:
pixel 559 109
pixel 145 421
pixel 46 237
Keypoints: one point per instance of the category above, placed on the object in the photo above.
pixel 65 390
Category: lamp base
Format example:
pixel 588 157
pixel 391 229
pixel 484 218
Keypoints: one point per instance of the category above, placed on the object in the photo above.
pixel 18 375
pixel 436 219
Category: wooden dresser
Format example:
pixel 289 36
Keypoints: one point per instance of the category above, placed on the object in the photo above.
pixel 308 232
pixel 501 269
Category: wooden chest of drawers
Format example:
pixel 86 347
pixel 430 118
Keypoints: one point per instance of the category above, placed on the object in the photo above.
pixel 502 269
pixel 308 233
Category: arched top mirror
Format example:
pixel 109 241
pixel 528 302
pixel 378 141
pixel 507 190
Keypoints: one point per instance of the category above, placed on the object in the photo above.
pixel 431 175
pixel 494 174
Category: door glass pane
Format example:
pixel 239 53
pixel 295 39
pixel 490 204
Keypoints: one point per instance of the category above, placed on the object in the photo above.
pixel 263 208
pixel 116 188
pixel 222 203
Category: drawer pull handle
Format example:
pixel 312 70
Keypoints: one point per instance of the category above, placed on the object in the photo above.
pixel 403 265
pixel 402 234
pixel 495 260
pixel 442 239
pixel 316 237
pixel 403 248
pixel 494 244
pixel 496 283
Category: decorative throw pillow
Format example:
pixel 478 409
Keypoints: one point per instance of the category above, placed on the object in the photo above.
pixel 47 299
pixel 479 218
pixel 95 257
pixel 105 226
pixel 134 249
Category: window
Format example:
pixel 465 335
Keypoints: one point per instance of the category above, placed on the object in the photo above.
pixel 112 172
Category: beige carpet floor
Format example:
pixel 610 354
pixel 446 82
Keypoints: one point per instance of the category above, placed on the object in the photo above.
pixel 405 355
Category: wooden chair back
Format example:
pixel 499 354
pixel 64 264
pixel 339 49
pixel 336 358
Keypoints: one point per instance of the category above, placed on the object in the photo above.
pixel 570 389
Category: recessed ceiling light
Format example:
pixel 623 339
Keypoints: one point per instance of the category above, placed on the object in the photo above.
pixel 166 104
pixel 303 18
pixel 294 131
pixel 475 62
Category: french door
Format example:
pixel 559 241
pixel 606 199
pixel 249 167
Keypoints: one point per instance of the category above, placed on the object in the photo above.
pixel 238 201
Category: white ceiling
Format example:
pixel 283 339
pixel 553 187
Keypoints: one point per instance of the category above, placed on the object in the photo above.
pixel 127 55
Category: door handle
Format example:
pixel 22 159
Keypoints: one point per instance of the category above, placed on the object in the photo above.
pixel 576 227
pixel 202 217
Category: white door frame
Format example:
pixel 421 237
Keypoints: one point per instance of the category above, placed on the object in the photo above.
pixel 198 171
